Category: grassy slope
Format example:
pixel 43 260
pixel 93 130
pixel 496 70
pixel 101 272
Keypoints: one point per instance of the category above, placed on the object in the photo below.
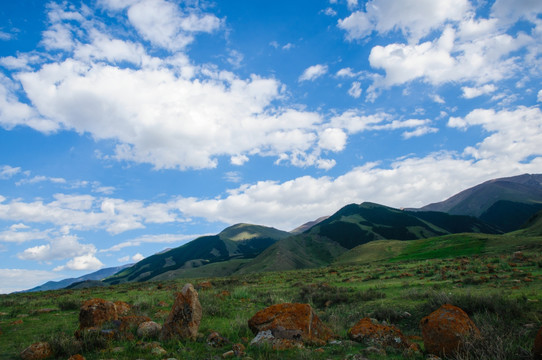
pixel 501 301
pixel 238 241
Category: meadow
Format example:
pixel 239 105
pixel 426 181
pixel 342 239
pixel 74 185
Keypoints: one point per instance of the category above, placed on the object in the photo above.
pixel 497 280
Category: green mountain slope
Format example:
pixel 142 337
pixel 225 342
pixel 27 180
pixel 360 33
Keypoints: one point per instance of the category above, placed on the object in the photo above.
pixel 352 226
pixel 241 241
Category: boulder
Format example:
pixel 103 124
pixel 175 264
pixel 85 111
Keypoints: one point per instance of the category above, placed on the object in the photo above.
pixel 185 316
pixel 443 330
pixel 371 333
pixel 537 350
pixel 95 312
pixel 149 329
pixel 265 337
pixel 290 321
pixel 37 351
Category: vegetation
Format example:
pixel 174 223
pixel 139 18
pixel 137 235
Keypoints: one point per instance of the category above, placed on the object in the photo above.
pixel 394 281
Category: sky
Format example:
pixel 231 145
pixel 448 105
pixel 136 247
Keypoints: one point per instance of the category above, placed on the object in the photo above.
pixel 132 126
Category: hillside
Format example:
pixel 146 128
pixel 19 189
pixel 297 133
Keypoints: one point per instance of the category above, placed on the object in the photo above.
pixel 512 199
pixel 95 276
pixel 241 241
pixel 354 225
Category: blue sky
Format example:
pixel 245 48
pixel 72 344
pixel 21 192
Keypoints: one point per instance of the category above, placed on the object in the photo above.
pixel 130 126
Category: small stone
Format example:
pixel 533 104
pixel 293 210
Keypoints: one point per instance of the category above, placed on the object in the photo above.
pixel 77 357
pixel 149 329
pixel 228 354
pixel 158 350
pixel 37 351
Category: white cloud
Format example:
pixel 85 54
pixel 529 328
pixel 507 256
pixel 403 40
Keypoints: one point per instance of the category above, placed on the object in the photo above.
pixel 355 90
pixel 83 262
pixel 41 178
pixel 414 18
pixel 333 139
pixel 177 239
pixel 164 25
pixel 352 4
pixel 515 136
pixel 239 160
pixel 60 248
pixel 7 171
pixel 539 97
pixel 347 72
pixel 313 72
pixel 5 36
pixel 438 99
pixel 23 279
pixel 233 176
pixel 330 12
pixel 19 233
pixel 137 257
pixel 472 92
pixel 448 59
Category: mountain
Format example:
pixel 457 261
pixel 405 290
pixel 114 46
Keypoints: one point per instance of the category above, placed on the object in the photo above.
pixel 533 226
pixel 505 202
pixel 241 241
pixel 306 226
pixel 354 225
pixel 97 275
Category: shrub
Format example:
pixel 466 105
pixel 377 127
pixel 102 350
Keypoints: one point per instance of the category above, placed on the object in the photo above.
pixel 64 345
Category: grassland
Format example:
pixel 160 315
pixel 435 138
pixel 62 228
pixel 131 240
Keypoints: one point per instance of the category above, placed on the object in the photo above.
pixel 393 281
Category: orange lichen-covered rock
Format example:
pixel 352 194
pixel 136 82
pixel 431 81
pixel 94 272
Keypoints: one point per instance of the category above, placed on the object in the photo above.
pixel 444 329
pixel 95 312
pixel 291 321
pixel 37 351
pixel 184 319
pixel 368 332
pixel 123 308
pixel 537 350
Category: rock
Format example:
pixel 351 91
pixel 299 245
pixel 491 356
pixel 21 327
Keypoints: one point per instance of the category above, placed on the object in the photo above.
pixel 122 308
pixel 228 354
pixel 443 330
pixel 216 340
pixel 184 319
pixel 266 338
pixel 158 350
pixel 131 322
pixel 537 349
pixel 96 312
pixel 37 351
pixel 371 333
pixel 149 329
pixel 238 349
pixel 77 357
pixel 289 321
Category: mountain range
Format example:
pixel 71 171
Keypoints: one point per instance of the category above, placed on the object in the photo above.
pixel 493 207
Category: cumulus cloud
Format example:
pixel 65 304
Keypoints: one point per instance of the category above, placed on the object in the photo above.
pixel 414 18
pixel 472 92
pixel 20 233
pixel 313 72
pixel 83 262
pixel 539 97
pixel 60 248
pixel 333 139
pixel 186 117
